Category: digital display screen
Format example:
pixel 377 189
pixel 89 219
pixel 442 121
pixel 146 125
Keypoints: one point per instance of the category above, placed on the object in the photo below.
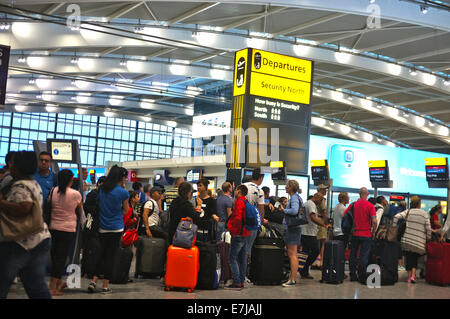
pixel 378 174
pixel 319 173
pixel 193 175
pixel 63 150
pixel 437 173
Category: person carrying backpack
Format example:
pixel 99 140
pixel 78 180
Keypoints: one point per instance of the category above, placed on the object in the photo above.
pixel 239 235
pixel 151 216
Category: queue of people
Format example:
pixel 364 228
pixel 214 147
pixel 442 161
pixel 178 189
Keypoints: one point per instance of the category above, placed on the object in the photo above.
pixel 28 185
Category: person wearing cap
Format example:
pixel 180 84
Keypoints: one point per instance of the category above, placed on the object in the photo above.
pixel 323 217
pixel 151 215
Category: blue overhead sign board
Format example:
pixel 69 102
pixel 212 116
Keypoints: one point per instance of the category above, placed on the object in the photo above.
pixel 348 161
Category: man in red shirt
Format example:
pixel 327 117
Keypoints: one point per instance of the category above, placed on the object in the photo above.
pixel 365 223
pixel 238 247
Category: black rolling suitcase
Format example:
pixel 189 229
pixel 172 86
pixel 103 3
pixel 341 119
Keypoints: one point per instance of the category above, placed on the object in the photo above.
pixel 267 261
pixel 150 257
pixel 224 252
pixel 91 256
pixel 209 272
pixel 388 262
pixel 333 266
pixel 122 264
pixel 206 230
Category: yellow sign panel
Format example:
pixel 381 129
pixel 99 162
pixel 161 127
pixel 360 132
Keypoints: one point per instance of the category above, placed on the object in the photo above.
pixel 444 207
pixel 240 72
pixel 281 65
pixel 278 164
pixel 435 161
pixel 377 163
pixel 280 88
pixel 318 163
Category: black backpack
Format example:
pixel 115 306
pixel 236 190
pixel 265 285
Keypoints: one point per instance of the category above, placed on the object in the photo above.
pixel 348 224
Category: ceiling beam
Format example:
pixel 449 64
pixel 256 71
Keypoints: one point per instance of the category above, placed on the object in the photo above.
pixel 403 41
pixel 243 21
pixel 358 32
pixel 160 52
pixel 109 50
pixel 190 13
pixel 123 10
pixel 53 8
pixel 149 9
pixel 309 24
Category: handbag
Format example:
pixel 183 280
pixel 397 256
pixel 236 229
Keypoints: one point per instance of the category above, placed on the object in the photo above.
pixel 14 228
pixel 47 211
pixel 296 220
pixel 402 228
pixel 130 236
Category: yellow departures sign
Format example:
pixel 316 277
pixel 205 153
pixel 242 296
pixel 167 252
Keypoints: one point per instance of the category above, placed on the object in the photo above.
pixel 377 164
pixel 280 77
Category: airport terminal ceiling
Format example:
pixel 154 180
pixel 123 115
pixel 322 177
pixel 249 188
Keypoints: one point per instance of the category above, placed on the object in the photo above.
pixel 381 67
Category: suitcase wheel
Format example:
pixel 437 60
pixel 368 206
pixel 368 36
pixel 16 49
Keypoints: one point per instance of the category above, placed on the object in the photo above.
pixel 167 288
pixel 321 281
pixel 190 290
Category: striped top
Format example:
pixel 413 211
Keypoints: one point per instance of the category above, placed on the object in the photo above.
pixel 418 230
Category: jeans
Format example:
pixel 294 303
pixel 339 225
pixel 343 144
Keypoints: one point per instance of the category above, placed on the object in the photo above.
pixel 238 259
pixel 61 244
pixel 250 240
pixel 29 265
pixel 220 230
pixel 310 245
pixel 366 245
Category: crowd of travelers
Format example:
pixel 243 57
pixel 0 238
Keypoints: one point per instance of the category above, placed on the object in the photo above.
pixel 29 187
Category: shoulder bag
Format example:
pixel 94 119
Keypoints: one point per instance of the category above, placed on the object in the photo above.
pixel 299 219
pixel 402 227
pixel 47 212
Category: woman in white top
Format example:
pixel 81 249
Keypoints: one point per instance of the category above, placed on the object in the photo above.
pixel 339 211
pixel 27 257
pixel 417 233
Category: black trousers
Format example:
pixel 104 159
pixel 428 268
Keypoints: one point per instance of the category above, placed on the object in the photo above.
pixel 310 245
pixel 343 238
pixel 61 244
pixel 411 260
pixel 109 243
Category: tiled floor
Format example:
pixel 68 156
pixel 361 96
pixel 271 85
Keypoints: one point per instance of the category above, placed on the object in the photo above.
pixel 306 289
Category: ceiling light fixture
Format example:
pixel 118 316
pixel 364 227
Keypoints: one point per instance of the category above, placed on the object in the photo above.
pixel 424 9
pixel 74 60
pixel 413 72
pixel 22 59
pixel 5 26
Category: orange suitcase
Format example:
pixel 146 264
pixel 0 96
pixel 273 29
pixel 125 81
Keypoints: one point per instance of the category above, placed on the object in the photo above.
pixel 182 268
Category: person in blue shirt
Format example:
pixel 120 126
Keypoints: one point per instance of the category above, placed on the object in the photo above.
pixel 293 234
pixel 137 187
pixel 44 176
pixel 113 204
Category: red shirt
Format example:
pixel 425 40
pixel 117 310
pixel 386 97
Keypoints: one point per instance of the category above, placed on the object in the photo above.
pixel 235 223
pixel 362 217
pixel 434 221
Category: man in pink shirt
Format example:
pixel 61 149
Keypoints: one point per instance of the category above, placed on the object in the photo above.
pixel 365 223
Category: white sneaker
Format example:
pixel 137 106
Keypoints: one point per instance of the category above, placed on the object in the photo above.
pixel 289 284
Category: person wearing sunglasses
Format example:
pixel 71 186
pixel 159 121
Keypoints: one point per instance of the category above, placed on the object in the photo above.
pixel 44 176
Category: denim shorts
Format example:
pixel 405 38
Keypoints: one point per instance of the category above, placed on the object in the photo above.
pixel 293 236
